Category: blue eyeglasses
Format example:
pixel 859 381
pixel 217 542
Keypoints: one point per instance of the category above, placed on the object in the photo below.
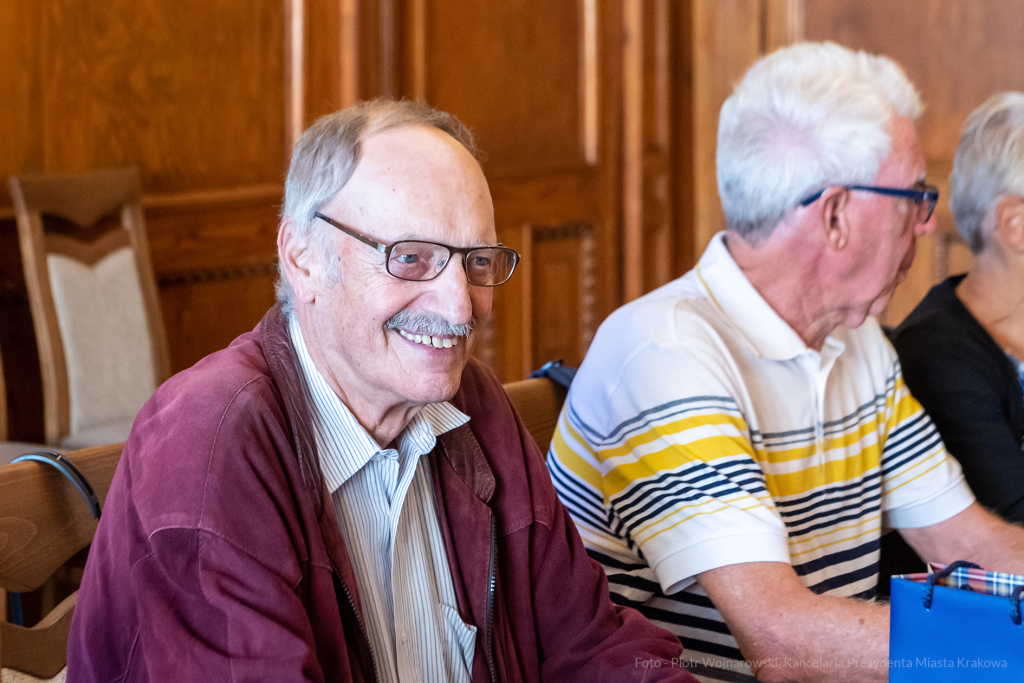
pixel 924 197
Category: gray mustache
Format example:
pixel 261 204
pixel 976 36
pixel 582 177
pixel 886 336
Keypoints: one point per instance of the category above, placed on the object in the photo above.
pixel 428 323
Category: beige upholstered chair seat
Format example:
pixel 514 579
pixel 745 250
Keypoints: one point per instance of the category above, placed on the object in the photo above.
pixel 115 432
pixel 12 676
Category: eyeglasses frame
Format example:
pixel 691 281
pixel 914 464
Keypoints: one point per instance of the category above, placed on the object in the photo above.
pixel 387 248
pixel 929 194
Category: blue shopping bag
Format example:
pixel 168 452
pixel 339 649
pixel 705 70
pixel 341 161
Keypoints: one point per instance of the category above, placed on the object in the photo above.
pixel 957 624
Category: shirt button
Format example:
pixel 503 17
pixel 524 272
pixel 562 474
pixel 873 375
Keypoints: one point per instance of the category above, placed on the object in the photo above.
pixel 404 639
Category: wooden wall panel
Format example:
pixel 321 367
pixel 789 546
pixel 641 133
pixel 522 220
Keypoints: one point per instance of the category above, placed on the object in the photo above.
pixel 530 78
pixel 20 84
pixel 193 92
pixel 647 164
pixel 331 56
pixel 727 38
pixel 563 263
pixel 510 69
pixel 214 255
pixel 18 344
pixel 683 134
pixel 205 230
pixel 958 53
pixel 580 108
pixel 211 307
pixel 658 202
pixel 130 82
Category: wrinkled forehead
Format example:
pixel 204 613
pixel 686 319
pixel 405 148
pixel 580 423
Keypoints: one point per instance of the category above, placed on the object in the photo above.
pixel 417 181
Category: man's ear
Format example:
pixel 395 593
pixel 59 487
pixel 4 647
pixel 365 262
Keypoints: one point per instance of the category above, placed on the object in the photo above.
pixel 1010 222
pixel 835 219
pixel 297 262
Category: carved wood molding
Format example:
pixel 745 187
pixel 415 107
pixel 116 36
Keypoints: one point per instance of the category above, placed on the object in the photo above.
pixel 534 237
pixel 577 230
pixel 222 273
pixel 271 193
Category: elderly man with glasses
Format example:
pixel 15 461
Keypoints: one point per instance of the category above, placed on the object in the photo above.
pixel 735 442
pixel 344 494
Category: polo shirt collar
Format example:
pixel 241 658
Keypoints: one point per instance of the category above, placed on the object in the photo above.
pixel 345 446
pixel 759 325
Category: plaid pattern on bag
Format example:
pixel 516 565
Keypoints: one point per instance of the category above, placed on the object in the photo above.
pixel 999 584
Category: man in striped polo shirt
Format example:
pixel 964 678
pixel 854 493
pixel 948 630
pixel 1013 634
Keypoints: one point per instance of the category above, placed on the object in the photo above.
pixel 736 441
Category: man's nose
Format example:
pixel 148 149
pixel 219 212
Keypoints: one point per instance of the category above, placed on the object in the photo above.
pixel 453 293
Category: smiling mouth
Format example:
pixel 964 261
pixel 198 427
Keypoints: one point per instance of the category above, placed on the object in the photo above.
pixel 427 340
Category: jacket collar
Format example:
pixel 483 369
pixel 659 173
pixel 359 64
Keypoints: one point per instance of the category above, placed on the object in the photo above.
pixel 284 368
pixel 460 446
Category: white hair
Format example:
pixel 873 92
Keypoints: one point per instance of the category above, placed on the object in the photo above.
pixel 326 155
pixel 802 119
pixel 989 164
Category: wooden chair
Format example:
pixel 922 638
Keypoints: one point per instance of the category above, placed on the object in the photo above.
pixel 538 402
pixel 102 346
pixel 44 521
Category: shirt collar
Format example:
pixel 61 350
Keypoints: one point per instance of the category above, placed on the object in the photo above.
pixel 345 447
pixel 764 330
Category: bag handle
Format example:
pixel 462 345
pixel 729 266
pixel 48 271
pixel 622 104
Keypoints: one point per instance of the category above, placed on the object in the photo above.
pixel 68 469
pixel 1015 605
pixel 929 584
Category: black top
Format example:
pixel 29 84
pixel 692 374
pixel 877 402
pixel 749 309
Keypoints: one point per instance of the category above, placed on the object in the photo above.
pixel 971 390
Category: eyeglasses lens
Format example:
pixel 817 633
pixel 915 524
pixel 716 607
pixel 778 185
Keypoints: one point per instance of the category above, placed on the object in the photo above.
pixel 487 266
pixel 417 260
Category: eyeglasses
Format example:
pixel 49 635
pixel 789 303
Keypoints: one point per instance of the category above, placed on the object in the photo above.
pixel 925 197
pixel 419 261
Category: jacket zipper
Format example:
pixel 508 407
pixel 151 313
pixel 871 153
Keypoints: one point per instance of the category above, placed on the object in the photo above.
pixel 359 620
pixel 488 626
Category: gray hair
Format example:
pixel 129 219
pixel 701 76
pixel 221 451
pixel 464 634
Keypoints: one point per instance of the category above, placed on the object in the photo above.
pixel 804 118
pixel 326 156
pixel 989 164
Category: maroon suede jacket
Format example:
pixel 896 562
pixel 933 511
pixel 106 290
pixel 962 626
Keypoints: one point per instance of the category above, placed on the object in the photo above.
pixel 217 559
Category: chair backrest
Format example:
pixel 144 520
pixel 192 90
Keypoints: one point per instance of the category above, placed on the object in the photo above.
pixel 95 310
pixel 538 402
pixel 44 521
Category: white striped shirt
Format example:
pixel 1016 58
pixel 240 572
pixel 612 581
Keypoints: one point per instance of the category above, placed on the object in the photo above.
pixel 385 506
pixel 701 432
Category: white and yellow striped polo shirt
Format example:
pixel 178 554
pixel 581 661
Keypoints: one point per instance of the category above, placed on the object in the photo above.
pixel 701 432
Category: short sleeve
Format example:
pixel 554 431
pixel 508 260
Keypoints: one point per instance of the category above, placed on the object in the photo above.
pixel 658 456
